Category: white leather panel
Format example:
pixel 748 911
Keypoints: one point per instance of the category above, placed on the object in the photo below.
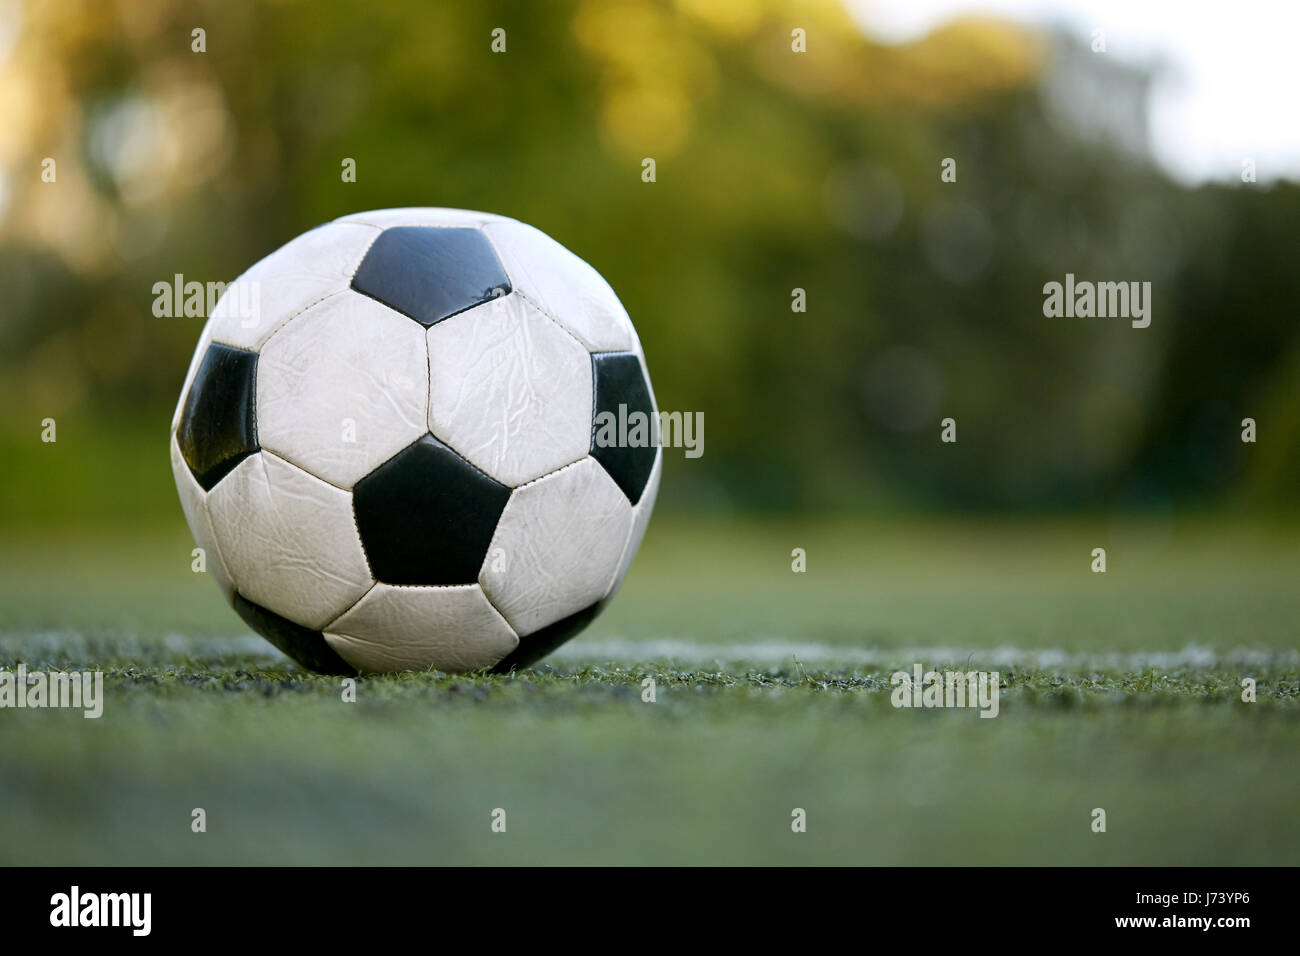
pixel 571 291
pixel 414 628
pixel 509 390
pixel 557 546
pixel 342 388
pixel 640 520
pixel 299 274
pixel 289 540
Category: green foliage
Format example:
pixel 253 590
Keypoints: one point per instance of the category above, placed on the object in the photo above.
pixel 775 171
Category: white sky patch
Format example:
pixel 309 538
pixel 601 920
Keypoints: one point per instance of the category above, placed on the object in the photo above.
pixel 1227 91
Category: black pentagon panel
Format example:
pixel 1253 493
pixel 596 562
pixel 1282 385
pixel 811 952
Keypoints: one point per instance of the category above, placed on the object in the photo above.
pixel 309 648
pixel 426 516
pixel 430 273
pixel 540 643
pixel 618 382
pixel 218 427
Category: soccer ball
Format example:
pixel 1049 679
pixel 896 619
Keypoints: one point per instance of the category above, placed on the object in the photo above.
pixel 385 444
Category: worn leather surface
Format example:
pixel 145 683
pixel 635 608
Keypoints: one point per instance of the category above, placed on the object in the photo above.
pixel 415 628
pixel 299 274
pixel 506 386
pixel 289 540
pixel 563 285
pixel 640 521
pixel 509 390
pixel 557 546
pixel 347 368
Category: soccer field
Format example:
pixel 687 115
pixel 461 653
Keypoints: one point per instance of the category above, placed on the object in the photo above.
pixel 1120 691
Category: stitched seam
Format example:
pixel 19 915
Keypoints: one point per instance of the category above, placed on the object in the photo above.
pixel 207 515
pixel 338 617
pixel 351 274
pixel 257 349
pixel 556 471
pixel 430 587
pixel 305 470
pixel 464 459
pixel 501 614
pixel 370 572
pixel 554 318
pixel 595 407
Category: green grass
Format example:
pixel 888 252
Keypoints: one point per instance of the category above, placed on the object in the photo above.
pixel 1120 691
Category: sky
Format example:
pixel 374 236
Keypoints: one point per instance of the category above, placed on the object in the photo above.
pixel 1232 77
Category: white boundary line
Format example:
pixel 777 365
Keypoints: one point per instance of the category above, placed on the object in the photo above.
pixel 766 653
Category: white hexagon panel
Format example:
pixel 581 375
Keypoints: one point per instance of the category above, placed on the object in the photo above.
pixel 510 390
pixel 416 628
pixel 555 559
pixel 342 388
pixel 289 540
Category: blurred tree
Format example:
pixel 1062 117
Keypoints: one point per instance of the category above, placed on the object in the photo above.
pixel 776 170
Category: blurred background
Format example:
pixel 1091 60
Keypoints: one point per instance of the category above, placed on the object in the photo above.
pixel 775 171
pixel 818 171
